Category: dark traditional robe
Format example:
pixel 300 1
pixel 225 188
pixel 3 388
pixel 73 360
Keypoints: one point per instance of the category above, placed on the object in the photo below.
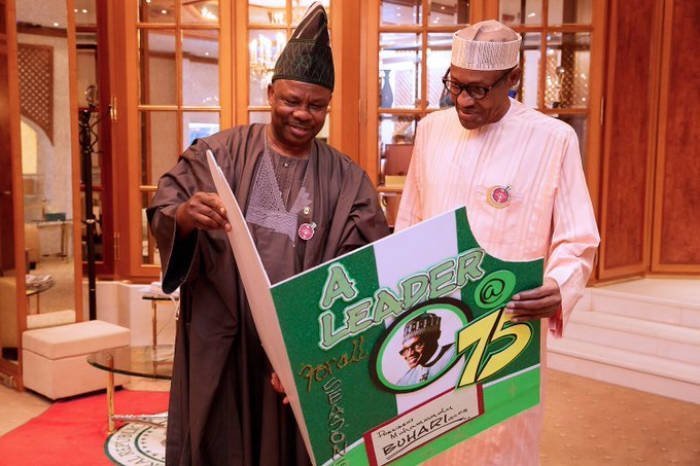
pixel 223 410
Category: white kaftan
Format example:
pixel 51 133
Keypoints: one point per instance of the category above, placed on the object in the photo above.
pixel 547 213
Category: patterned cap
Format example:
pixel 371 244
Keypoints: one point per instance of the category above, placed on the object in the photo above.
pixel 485 46
pixel 422 325
pixel 307 56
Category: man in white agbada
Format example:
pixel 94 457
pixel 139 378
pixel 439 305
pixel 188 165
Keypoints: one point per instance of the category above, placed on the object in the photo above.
pixel 519 174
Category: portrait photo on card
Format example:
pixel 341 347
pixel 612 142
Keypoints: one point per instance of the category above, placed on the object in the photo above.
pixel 420 346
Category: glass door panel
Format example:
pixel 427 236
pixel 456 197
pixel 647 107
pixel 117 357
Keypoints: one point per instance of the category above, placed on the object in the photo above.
pixel 439 54
pixel 158 67
pixel 568 66
pixel 400 70
pixel 448 12
pixel 409 12
pixel 268 12
pixel 258 117
pixel 149 248
pixel 299 8
pixel 198 125
pixel 518 12
pixel 556 59
pixel 180 68
pixel 264 47
pixel 570 12
pixel 200 12
pixel 395 129
pixel 157 11
pixel 159 148
pixel 200 68
pixel 414 50
pixel 530 66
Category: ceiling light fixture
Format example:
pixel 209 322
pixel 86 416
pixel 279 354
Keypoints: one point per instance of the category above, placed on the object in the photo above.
pixel 208 14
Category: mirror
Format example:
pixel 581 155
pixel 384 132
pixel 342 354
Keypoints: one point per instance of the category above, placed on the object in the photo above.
pixel 47 159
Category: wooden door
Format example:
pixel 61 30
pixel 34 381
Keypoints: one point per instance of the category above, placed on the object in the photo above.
pixel 630 120
pixel 171 74
pixel 676 242
pixel 12 224
pixel 7 241
pixel 650 194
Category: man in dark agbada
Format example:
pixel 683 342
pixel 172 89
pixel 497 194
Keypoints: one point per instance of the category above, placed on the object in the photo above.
pixel 305 203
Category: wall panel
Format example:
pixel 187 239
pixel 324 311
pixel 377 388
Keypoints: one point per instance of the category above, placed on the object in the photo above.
pixel 677 214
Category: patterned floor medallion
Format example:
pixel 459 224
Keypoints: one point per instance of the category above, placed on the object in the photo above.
pixel 137 444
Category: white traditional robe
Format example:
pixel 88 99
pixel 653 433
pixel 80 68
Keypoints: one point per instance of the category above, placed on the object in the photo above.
pixel 548 214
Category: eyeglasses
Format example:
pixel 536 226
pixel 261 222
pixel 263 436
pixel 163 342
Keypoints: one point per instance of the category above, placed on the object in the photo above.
pixel 415 347
pixel 475 92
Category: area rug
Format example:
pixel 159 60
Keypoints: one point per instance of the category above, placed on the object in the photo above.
pixel 74 432
pixel 137 444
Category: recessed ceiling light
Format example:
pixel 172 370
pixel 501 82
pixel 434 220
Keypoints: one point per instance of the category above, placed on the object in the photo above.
pixel 165 12
pixel 55 24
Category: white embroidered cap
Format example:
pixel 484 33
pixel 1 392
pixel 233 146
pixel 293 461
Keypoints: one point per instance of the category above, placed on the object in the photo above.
pixel 485 46
pixel 422 325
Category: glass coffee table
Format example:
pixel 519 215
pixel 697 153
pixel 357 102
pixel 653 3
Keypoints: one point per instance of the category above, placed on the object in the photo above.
pixel 153 362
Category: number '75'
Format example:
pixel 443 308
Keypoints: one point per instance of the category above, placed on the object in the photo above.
pixel 481 333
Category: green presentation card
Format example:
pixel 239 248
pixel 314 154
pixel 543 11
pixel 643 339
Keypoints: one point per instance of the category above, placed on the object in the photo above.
pixel 402 349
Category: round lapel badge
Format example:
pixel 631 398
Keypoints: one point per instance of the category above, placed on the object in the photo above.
pixel 306 231
pixel 499 196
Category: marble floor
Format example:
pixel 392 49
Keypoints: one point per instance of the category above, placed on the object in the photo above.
pixel 16 408
pixel 586 422
pixel 672 288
